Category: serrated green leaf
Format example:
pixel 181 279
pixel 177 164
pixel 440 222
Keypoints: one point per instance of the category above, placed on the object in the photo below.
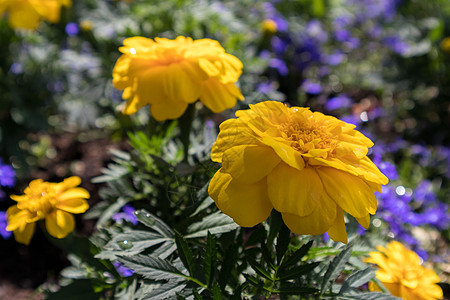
pixel 296 290
pixel 217 293
pixel 297 271
pixel 165 250
pixel 335 268
pixel 185 253
pixel 151 267
pixel 267 256
pixel 357 279
pixel 296 256
pixel 258 268
pixel 166 290
pixel 154 223
pixel 282 242
pixel 369 296
pixel 215 223
pixel 110 211
pixel 228 264
pixel 210 260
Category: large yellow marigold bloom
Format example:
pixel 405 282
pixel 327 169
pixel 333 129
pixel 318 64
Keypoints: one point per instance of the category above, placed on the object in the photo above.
pixel 54 202
pixel 400 272
pixel 308 166
pixel 170 74
pixel 28 13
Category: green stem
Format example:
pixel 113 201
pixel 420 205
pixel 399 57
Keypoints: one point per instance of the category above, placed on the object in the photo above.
pixel 185 124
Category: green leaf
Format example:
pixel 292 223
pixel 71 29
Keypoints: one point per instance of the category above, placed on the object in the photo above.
pixel 228 264
pixel 130 243
pixel 151 267
pixel 215 223
pixel 357 279
pixel 217 293
pixel 276 221
pixel 166 290
pixel 259 268
pixel 335 268
pixel 282 242
pixel 267 256
pixel 154 223
pixel 296 290
pixel 253 280
pixel 78 289
pixel 210 260
pixel 369 296
pixel 296 256
pixel 185 253
pixel 298 271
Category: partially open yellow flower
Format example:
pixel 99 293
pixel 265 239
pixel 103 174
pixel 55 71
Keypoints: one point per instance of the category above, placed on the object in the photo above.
pixel 400 272
pixel 28 13
pixel 170 74
pixel 308 166
pixel 54 202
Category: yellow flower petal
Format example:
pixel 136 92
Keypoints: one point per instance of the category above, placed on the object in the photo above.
pixel 73 193
pixel 286 153
pixel 296 192
pixel 337 231
pixel 24 233
pixel 23 16
pixel 349 192
pixel 244 163
pixel 179 86
pixel 218 96
pixel 59 224
pixel 73 205
pixel 364 221
pixel 168 109
pixel 247 204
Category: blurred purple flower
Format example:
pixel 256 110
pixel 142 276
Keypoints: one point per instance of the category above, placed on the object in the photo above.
pixel 315 30
pixel 342 35
pixel 311 87
pixel 72 29
pixel 335 58
pixel 16 68
pixel 340 101
pixel 273 14
pixel 123 271
pixel 396 44
pixel 3 223
pixel 6 175
pixel 279 65
pixel 265 87
pixel 127 214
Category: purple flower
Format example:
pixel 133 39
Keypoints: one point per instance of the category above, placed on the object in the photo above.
pixel 342 35
pixel 265 87
pixel 123 271
pixel 340 101
pixel 396 44
pixel 315 30
pixel 279 65
pixel 6 175
pixel 273 14
pixel 335 58
pixel 311 87
pixel 72 29
pixel 3 223
pixel 127 214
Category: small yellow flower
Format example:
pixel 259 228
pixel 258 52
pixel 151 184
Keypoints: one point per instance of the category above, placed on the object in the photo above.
pixel 28 13
pixel 170 74
pixel 445 45
pixel 400 272
pixel 86 25
pixel 269 27
pixel 54 202
pixel 308 166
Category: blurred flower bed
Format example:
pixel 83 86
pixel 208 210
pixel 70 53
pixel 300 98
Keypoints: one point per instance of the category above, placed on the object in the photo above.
pixel 68 108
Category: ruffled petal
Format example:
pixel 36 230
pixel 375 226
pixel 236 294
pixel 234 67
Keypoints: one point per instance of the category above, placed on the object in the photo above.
pixel 73 205
pixel 24 233
pixel 337 231
pixel 349 192
pixel 249 164
pixel 296 192
pixel 59 224
pixel 73 193
pixel 179 86
pixel 247 204
pixel 218 96
pixel 288 154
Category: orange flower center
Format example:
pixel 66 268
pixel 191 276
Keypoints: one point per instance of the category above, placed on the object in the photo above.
pixel 304 139
pixel 40 202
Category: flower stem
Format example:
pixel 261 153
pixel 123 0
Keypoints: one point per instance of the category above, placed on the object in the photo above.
pixel 185 124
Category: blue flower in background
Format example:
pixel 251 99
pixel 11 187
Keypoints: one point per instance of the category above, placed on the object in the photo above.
pixel 72 29
pixel 123 271
pixel 127 214
pixel 7 175
pixel 3 223
pixel 311 87
pixel 340 101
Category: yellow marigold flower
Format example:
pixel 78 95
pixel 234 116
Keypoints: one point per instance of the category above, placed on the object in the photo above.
pixel 306 165
pixel 400 272
pixel 445 45
pixel 269 27
pixel 170 74
pixel 54 202
pixel 28 13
